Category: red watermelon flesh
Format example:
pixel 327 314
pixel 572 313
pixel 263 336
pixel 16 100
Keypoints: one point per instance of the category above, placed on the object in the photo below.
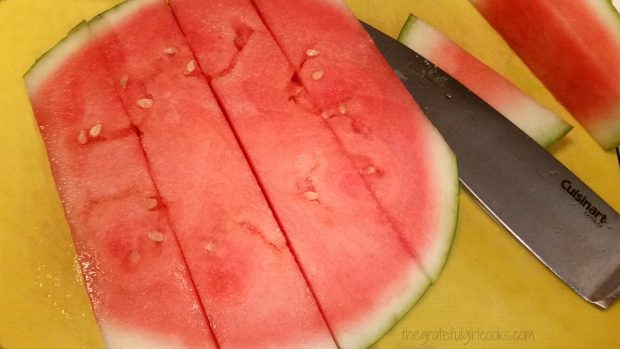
pixel 535 120
pixel 135 275
pixel 573 46
pixel 403 159
pixel 363 277
pixel 253 291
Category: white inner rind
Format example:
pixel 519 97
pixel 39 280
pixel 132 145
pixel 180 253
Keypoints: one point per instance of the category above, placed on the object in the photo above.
pixel 365 331
pixel 122 337
pixel 51 61
pixel 119 13
pixel 607 132
pixel 446 184
pixel 605 11
pixel 538 122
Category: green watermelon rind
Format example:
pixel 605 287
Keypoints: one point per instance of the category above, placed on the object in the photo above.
pixel 560 129
pixel 404 31
pixel 118 13
pixel 613 8
pixel 449 229
pixel 449 236
pixel 51 60
pixel 397 316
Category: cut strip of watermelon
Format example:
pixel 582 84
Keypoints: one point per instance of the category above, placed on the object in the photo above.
pixel 361 273
pixel 254 293
pixel 573 46
pixel 403 159
pixel 135 276
pixel 535 120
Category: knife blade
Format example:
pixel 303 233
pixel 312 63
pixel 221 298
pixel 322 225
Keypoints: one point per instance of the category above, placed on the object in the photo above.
pixel 546 207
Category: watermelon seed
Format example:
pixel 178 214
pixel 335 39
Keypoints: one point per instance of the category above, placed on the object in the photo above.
pixel 370 170
pixel 82 138
pixel 191 66
pixel 312 52
pixel 124 81
pixel 151 203
pixel 326 114
pixel 317 75
pixel 95 131
pixel 342 108
pixel 171 50
pixel 145 103
pixel 156 236
pixel 209 246
pixel 311 195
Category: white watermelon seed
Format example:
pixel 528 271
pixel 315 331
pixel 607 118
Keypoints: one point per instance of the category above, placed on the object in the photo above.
pixel 82 138
pixel 151 203
pixel 145 103
pixel 191 66
pixel 369 170
pixel 326 114
pixel 317 75
pixel 342 108
pixel 209 246
pixel 95 131
pixel 156 236
pixel 124 81
pixel 171 50
pixel 311 195
pixel 313 52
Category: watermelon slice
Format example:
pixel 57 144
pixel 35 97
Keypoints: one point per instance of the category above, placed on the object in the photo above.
pixel 134 272
pixel 535 120
pixel 253 291
pixel 573 46
pixel 403 159
pixel 363 276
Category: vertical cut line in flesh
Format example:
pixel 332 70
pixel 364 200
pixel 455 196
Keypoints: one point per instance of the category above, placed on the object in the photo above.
pixel 258 180
pixel 414 254
pixel 149 169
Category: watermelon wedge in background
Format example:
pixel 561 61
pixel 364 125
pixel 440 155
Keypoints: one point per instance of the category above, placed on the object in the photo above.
pixel 404 161
pixel 237 256
pixel 536 121
pixel 133 269
pixel 362 274
pixel 573 46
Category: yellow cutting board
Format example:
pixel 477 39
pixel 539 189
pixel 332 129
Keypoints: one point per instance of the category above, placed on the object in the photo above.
pixel 492 293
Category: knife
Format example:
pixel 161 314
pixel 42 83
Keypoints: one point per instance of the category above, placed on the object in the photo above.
pixel 545 206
